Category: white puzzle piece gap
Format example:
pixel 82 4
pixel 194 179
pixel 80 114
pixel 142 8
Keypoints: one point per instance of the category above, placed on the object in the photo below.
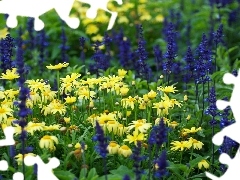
pixel 36 8
pixel 44 170
pixel 231 131
pixel 8 132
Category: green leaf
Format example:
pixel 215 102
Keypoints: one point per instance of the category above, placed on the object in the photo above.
pixel 122 170
pixel 197 177
pixel 64 175
pixel 194 162
pixel 83 173
pixel 92 174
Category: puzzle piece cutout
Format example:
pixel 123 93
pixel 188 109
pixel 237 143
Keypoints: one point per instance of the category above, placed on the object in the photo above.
pixel 4 167
pixel 36 8
pixel 8 132
pixel 232 172
pixel 44 170
pixel 231 131
pixel 101 4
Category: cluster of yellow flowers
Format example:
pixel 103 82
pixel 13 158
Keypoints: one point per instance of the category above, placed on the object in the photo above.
pixel 181 145
pixel 122 123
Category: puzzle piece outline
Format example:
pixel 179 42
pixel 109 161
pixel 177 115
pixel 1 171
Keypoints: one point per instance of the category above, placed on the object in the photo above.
pixel 231 131
pixel 34 9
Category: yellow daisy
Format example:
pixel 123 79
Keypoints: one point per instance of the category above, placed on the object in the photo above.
pixel 58 66
pixel 10 74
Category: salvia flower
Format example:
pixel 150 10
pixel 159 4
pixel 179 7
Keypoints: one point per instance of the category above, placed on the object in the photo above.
pixel 82 42
pixel 161 165
pixel 64 46
pixel 126 177
pixel 171 49
pixel 6 52
pixel 212 109
pixel 101 148
pixel 137 158
pixel 189 67
pixel 30 29
pixel 158 57
pixel 158 134
pixel 42 43
pixel 142 68
pixel 100 61
pixel 218 36
pixel 203 63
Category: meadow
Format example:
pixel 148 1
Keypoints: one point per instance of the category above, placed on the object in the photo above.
pixel 135 102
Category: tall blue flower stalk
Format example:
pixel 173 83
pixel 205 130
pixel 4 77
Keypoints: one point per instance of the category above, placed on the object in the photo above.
pixel 23 95
pixel 137 158
pixel 212 111
pixel 30 29
pixel 82 42
pixel 125 54
pixel 141 66
pixel 203 65
pixel 99 59
pixel 218 39
pixel 171 52
pixel 101 148
pixel 160 164
pixel 157 137
pixel 158 57
pixel 189 67
pixel 228 144
pixel 64 47
pixel 43 44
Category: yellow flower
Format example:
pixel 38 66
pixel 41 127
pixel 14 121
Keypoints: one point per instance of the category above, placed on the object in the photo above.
pixel 145 17
pixel 123 19
pixel 167 89
pixel 3 33
pixel 92 29
pixel 192 130
pixel 67 120
pixel 195 143
pixel 185 97
pixel 10 74
pixel 124 91
pixel 4 111
pixel 112 126
pixel 52 127
pixel 180 145
pixel 140 125
pixel 55 106
pixel 121 129
pixel 203 163
pixel 188 117
pixel 159 18
pixel 125 151
pixel 113 147
pixel 32 127
pixel 70 99
pixel 152 94
pixel 48 142
pixel 135 138
pixel 173 124
pixel 58 66
pixel 98 37
pixel 78 145
pixel 121 72
pixel 128 102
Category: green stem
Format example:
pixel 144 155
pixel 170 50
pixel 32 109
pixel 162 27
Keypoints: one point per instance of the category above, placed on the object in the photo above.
pixel 58 83
pixel 181 157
